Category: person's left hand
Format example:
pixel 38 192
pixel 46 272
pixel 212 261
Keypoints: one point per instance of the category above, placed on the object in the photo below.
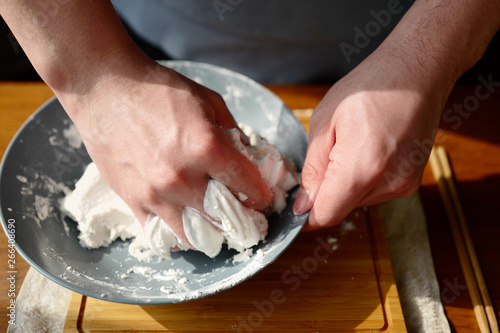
pixel 370 138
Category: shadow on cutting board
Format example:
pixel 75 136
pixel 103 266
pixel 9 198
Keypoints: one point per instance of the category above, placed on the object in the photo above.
pixel 338 279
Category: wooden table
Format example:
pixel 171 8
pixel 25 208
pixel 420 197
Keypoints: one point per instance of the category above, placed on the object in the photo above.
pixel 474 149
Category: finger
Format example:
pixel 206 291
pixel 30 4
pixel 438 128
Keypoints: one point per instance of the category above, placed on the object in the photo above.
pixel 140 213
pixel 223 117
pixel 391 189
pixel 172 216
pixel 313 172
pixel 189 193
pixel 340 192
pixel 169 204
pixel 241 177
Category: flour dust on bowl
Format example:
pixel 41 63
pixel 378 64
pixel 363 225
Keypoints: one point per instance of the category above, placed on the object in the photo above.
pixel 47 157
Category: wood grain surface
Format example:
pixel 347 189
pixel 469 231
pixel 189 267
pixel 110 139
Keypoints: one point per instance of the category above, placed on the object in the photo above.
pixel 474 149
pixel 473 146
pixel 17 102
pixel 316 285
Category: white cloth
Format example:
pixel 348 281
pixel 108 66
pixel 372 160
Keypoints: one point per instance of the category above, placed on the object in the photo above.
pixel 405 230
pixel 41 305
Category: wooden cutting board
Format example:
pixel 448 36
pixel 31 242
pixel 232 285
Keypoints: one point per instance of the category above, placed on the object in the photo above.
pixel 334 280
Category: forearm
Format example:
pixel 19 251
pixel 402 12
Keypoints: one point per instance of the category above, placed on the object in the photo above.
pixel 437 41
pixel 69 43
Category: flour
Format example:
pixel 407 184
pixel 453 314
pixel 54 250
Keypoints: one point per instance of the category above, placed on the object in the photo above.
pixel 103 216
pixel 22 179
pixel 347 226
pixel 42 207
pixel 332 240
pixel 74 139
pixel 43 191
pixel 243 256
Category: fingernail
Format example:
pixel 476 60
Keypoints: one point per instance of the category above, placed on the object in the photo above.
pixel 301 202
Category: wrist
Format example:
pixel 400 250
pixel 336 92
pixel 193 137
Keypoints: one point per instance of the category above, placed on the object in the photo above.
pixel 439 41
pixel 399 92
pixel 69 70
pixel 75 46
pixel 392 68
pixel 99 79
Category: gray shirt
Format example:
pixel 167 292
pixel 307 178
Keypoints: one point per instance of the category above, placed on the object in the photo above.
pixel 278 41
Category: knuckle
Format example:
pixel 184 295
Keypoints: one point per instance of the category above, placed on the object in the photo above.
pixel 217 97
pixel 324 219
pixel 146 196
pixel 406 185
pixel 411 186
pixel 310 171
pixel 408 178
pixel 161 187
pixel 207 145
pixel 150 197
pixel 231 170
pixel 169 181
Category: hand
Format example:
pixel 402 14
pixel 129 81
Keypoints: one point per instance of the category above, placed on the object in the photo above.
pixel 370 138
pixel 157 137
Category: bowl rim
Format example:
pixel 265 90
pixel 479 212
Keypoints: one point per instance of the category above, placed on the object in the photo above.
pixel 142 301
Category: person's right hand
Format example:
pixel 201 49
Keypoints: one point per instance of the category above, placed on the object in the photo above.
pixel 157 137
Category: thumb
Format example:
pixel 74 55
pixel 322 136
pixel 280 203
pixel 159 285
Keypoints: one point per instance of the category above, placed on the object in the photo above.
pixel 336 197
pixel 346 181
pixel 313 172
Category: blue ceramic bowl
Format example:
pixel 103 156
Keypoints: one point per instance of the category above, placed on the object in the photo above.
pixel 41 161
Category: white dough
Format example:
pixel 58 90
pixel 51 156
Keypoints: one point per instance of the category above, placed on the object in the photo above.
pixel 242 227
pixel 278 172
pixel 103 216
pixel 157 237
pixel 201 233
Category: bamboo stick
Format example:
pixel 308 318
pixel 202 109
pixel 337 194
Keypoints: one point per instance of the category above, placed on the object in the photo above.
pixel 483 309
